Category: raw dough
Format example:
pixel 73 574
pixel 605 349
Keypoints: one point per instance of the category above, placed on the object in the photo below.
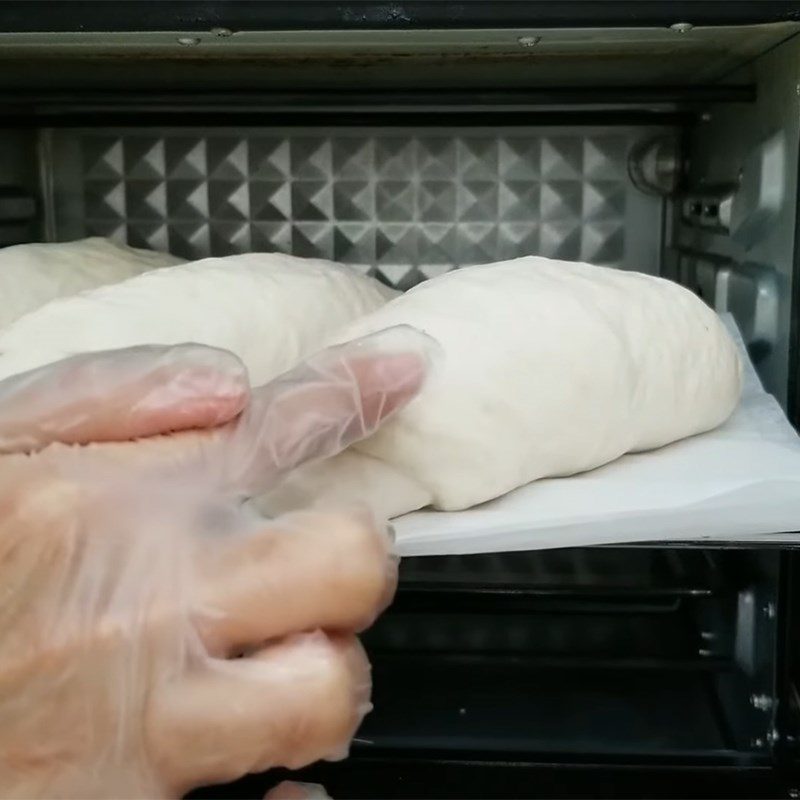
pixel 549 368
pixel 268 308
pixel 33 274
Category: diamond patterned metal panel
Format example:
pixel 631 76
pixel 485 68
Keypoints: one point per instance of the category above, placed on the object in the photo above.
pixel 403 204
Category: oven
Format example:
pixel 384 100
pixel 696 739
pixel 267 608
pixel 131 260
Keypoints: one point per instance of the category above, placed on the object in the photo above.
pixel 411 138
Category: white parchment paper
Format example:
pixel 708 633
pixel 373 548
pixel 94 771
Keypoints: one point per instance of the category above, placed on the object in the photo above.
pixel 740 482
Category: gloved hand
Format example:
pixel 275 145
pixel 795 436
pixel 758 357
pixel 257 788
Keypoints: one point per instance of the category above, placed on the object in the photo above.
pixel 289 790
pixel 155 634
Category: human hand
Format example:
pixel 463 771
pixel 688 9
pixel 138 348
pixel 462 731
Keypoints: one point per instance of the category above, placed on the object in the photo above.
pixel 155 634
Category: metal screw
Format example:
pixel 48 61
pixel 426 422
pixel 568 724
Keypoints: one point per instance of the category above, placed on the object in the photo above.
pixel 222 32
pixel 529 41
pixel 759 742
pixel 762 702
pixel 681 27
pixel 769 611
pixel 188 41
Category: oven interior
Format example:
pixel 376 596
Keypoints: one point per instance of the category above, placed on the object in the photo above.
pixel 666 149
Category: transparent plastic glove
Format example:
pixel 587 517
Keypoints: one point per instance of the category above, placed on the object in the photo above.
pixel 155 634
pixel 291 790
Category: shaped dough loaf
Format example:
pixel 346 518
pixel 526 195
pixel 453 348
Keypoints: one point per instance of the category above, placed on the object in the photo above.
pixel 33 274
pixel 549 368
pixel 269 309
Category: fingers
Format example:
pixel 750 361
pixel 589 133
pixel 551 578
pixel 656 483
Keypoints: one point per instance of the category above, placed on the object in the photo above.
pixel 120 395
pixel 292 790
pixel 287 705
pixel 316 410
pixel 310 570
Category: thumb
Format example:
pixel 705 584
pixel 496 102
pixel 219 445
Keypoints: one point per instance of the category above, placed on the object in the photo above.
pixel 118 395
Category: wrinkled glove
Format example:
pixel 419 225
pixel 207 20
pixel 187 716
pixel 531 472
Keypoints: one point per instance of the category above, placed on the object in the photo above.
pixel 289 790
pixel 155 633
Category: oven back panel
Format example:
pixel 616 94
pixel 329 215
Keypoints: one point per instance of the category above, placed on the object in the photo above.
pixel 406 204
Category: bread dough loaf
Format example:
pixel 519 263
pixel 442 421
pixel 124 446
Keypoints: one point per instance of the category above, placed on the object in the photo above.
pixel 549 368
pixel 33 274
pixel 268 308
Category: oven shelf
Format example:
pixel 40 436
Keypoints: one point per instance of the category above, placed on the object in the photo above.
pixel 523 706
pixel 595 571
pixel 637 636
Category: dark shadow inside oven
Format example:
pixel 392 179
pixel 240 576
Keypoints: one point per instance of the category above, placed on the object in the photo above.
pixel 597 657
pixel 634 651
